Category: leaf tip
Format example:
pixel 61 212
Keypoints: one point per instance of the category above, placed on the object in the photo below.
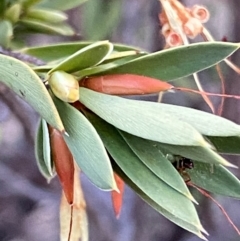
pixel 228 164
pixel 193 199
pixel 203 230
pixel 65 133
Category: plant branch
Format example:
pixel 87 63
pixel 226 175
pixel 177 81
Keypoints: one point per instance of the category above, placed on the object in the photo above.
pixel 23 57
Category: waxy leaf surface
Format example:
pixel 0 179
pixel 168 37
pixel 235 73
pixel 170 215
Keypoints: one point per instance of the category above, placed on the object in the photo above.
pixel 86 147
pixel 141 118
pixel 23 81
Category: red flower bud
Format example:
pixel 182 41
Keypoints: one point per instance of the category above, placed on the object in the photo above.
pixel 125 84
pixel 63 161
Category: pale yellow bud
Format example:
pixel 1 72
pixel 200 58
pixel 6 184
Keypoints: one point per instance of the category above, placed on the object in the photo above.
pixel 64 86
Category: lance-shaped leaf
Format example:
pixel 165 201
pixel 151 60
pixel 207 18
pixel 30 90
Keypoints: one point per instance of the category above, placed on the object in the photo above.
pixel 177 62
pixel 197 153
pixel 86 146
pixel 61 4
pixel 48 28
pixel 186 225
pixel 216 179
pixel 58 51
pixel 46 147
pixel 23 81
pixel 86 57
pixel 206 123
pixel 164 195
pixel 40 153
pixel 229 145
pixel 150 154
pixel 141 118
pixel 106 65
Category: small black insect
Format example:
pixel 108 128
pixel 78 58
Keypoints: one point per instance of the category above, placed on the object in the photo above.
pixel 181 164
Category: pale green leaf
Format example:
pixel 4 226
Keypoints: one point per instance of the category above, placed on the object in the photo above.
pixel 23 81
pixel 48 28
pixel 57 51
pixel 161 193
pixel 61 4
pixel 6 33
pixel 39 153
pixel 216 179
pixel 177 62
pixel 141 118
pixel 86 147
pixel 186 225
pixel 206 123
pixel 86 57
pixel 197 153
pixel 229 145
pixel 47 148
pixel 106 65
pixel 150 154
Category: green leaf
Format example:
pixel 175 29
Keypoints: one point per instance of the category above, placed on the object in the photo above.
pixel 46 15
pixel 61 4
pixel 47 148
pixel 177 62
pixel 6 30
pixel 48 28
pixel 28 3
pixel 86 147
pixel 23 81
pixel 216 179
pixel 229 145
pixel 86 57
pixel 161 193
pixel 186 225
pixel 206 123
pixel 40 153
pixel 141 118
pixel 106 65
pixel 57 51
pixel 197 153
pixel 150 154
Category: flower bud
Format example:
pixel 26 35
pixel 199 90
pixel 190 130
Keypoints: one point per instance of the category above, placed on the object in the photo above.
pixel 201 13
pixel 173 39
pixel 192 27
pixel 63 161
pixel 125 84
pixel 64 86
pixel 166 29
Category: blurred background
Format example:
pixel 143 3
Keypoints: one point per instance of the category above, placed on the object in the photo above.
pixel 29 206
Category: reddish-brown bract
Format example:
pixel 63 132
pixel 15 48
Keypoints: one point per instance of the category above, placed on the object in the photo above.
pixel 63 161
pixel 125 84
pixel 117 197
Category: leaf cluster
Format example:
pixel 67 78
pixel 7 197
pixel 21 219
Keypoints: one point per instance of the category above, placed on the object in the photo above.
pixel 107 133
pixel 18 17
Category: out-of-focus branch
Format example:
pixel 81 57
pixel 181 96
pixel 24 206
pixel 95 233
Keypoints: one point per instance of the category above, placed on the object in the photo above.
pixel 23 57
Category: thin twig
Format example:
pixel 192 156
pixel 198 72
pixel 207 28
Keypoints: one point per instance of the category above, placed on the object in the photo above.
pixel 206 194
